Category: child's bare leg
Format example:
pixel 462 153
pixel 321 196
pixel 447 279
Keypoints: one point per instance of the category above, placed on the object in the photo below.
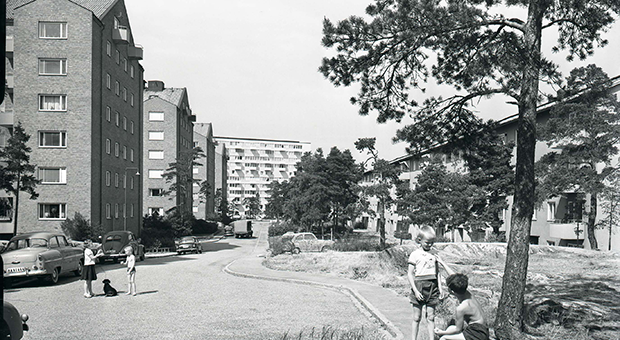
pixel 458 336
pixel 86 292
pixel 417 316
pixel 430 321
pixel 132 283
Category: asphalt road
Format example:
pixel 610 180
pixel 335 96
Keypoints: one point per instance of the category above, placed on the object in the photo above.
pixel 184 297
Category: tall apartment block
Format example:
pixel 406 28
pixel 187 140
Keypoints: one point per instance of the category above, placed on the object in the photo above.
pixel 75 84
pixel 254 163
pixel 203 205
pixel 168 138
pixel 221 172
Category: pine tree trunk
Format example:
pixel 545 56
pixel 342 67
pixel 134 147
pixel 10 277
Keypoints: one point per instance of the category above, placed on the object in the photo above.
pixel 509 319
pixel 16 193
pixel 592 221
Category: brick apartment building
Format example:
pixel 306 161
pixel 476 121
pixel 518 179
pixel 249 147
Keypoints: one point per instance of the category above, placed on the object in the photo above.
pixel 168 138
pixel 254 163
pixel 76 85
pixel 203 138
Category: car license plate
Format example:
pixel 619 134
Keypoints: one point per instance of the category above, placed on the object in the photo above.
pixel 16 270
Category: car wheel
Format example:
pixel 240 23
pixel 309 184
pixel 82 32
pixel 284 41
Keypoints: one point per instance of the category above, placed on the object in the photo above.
pixel 326 248
pixel 115 260
pixel 8 283
pixel 53 278
pixel 78 271
pixel 296 251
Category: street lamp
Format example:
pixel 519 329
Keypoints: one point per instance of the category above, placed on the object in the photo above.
pixel 125 185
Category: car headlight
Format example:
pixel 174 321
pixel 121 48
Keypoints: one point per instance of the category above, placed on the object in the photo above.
pixel 39 257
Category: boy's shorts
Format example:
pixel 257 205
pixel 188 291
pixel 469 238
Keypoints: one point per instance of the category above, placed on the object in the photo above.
pixel 476 331
pixel 429 290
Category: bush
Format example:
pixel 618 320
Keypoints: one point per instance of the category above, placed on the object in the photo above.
pixel 281 228
pixel 79 228
pixel 277 246
pixel 201 227
pixel 157 232
pixel 493 238
pixel 357 243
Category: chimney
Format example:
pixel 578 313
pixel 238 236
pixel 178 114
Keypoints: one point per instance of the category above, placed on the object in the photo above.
pixel 155 85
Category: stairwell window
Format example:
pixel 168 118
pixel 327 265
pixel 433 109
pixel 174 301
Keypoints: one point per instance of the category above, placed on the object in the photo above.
pixel 52 30
pixel 53 175
pixel 52 102
pixel 53 67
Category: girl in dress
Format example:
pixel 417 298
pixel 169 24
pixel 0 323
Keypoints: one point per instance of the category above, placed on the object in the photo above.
pixel 88 271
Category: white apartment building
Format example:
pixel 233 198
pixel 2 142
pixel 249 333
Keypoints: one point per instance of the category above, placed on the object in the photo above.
pixel 254 163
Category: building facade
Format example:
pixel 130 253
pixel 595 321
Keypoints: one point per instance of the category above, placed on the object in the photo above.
pixel 221 174
pixel 75 84
pixel 203 205
pixel 254 163
pixel 168 138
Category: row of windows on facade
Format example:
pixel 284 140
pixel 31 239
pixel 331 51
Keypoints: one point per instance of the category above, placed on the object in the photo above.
pixel 242 192
pixel 119 211
pixel 264 158
pixel 58 103
pixel 263 145
pixel 256 178
pixel 118 121
pixel 128 68
pixel 55 211
pixel 253 186
pixel 108 180
pixel 241 153
pixel 117 90
pixel 158 116
pixel 117 151
pixel 159 136
pixel 258 165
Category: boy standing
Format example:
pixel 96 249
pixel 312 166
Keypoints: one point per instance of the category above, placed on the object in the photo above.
pixel 423 275
pixel 131 271
pixel 468 311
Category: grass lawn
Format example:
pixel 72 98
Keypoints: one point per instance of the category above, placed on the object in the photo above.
pixel 571 293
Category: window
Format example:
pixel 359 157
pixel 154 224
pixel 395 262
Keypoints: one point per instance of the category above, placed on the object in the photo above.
pixel 108 145
pixel 117 119
pixel 124 182
pixel 156 192
pixel 108 49
pixel 108 211
pixel 108 114
pixel 131 183
pixel 52 211
pixel 156 154
pixel 53 175
pixel 52 102
pixel 132 209
pixel 131 99
pixel 116 149
pixel 117 88
pixel 53 243
pixel 156 173
pixel 195 209
pixel 550 211
pixel 108 81
pixel 131 155
pixel 116 210
pixel 124 152
pixel 52 30
pixel 125 123
pixel 156 116
pixel 53 139
pixel 6 208
pixel 131 127
pixel 124 93
pixel 156 211
pixel 56 67
pixel 118 57
pixel 116 179
pixel 195 170
pixel 131 71
pixel 156 135
pixel 125 64
pixel 107 178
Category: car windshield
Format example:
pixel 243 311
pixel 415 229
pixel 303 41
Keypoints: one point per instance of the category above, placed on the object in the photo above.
pixel 27 243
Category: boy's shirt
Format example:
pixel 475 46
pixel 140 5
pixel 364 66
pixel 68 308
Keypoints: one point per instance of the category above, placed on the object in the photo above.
pixel 425 263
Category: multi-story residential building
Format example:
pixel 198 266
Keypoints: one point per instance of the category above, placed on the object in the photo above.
pixel 168 138
pixel 221 171
pixel 75 83
pixel 254 163
pixel 203 138
pixel 561 220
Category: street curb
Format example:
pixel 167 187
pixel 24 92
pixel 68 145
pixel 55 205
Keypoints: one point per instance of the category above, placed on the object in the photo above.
pixel 374 312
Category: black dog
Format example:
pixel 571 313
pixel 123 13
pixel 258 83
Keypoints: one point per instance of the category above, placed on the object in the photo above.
pixel 107 289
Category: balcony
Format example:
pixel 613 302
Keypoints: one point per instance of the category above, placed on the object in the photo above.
pixel 134 52
pixel 192 118
pixel 569 230
pixel 9 83
pixel 7 118
pixel 120 35
pixel 10 46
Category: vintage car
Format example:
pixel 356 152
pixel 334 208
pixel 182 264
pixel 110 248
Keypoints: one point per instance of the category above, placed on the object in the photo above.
pixel 40 254
pixel 114 242
pixel 189 244
pixel 298 242
pixel 13 323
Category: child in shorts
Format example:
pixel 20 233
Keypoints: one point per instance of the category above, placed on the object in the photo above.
pixel 423 275
pixel 131 271
pixel 468 311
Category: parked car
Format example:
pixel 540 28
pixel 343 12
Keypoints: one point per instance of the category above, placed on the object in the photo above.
pixel 114 242
pixel 298 242
pixel 229 230
pixel 189 244
pixel 3 244
pixel 13 323
pixel 243 228
pixel 41 254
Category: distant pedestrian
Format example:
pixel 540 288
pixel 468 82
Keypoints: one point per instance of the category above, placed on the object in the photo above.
pixel 468 311
pixel 423 275
pixel 131 271
pixel 88 270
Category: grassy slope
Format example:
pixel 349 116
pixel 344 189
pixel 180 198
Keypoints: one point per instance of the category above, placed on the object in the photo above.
pixel 579 289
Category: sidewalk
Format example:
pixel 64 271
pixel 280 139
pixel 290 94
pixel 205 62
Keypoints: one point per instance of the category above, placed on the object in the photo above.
pixel 390 309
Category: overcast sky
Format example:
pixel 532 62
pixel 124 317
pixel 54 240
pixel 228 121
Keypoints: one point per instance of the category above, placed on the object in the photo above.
pixel 250 67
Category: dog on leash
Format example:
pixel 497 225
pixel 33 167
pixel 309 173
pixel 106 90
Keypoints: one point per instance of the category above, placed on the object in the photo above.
pixel 108 289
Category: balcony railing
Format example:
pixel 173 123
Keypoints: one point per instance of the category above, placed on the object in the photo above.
pixel 570 230
pixel 120 35
pixel 10 46
pixel 135 52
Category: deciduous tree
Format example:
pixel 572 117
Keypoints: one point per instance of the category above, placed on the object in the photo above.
pixel 480 48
